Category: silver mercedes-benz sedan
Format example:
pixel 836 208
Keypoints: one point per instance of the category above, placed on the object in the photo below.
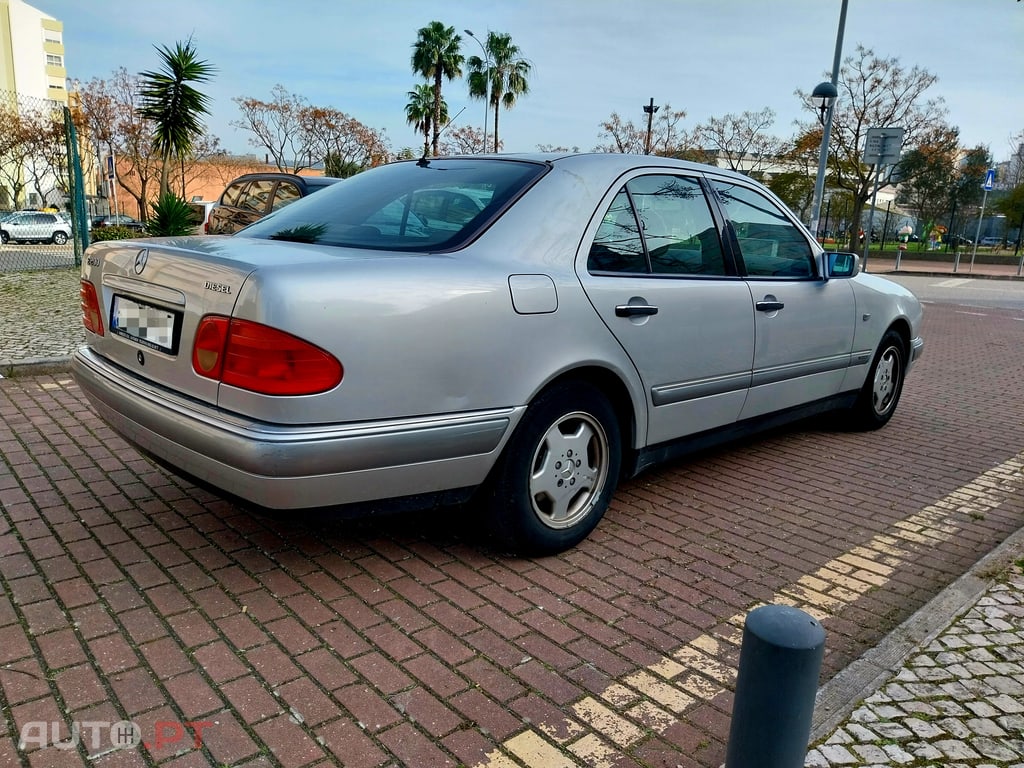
pixel 517 331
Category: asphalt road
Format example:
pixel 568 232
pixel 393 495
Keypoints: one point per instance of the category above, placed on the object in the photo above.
pixel 964 290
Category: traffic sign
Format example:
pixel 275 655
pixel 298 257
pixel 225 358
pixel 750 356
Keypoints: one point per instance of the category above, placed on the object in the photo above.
pixel 882 146
pixel 990 180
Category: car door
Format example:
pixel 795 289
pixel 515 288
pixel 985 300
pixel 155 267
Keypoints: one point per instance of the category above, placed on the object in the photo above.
pixel 657 275
pixel 29 226
pixel 803 324
pixel 16 226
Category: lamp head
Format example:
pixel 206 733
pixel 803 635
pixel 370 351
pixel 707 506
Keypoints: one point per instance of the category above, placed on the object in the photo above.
pixel 822 97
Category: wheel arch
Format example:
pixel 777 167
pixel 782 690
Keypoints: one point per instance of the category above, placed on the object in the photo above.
pixel 902 327
pixel 611 385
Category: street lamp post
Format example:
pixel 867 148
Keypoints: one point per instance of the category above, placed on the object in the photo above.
pixel 650 109
pixel 487 83
pixel 825 94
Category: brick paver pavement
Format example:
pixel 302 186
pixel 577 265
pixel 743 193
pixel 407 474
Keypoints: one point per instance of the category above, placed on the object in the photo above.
pixel 233 638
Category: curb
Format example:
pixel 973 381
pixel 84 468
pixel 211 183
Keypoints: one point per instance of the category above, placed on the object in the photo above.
pixel 858 680
pixel 32 366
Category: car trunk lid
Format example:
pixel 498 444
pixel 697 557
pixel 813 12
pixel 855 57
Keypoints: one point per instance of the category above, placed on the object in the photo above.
pixel 153 293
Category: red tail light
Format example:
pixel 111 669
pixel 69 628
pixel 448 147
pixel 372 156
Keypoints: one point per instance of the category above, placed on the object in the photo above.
pixel 92 317
pixel 262 359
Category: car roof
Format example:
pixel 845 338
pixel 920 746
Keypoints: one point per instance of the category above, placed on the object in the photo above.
pixel 312 181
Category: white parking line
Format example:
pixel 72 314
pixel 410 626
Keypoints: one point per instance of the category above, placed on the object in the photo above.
pixel 951 283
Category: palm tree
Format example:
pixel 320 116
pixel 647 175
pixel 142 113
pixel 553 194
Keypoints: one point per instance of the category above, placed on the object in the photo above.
pixel 436 56
pixel 419 112
pixel 508 73
pixel 174 105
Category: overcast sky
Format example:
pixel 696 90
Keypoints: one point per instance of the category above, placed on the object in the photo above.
pixel 590 58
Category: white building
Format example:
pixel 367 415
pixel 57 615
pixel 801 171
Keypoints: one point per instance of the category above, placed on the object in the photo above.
pixel 32 75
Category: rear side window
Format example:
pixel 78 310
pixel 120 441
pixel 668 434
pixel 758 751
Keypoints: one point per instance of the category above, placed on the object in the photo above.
pixel 430 205
pixel 617 247
pixel 770 244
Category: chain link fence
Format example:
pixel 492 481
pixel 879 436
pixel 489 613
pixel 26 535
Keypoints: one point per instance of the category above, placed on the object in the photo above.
pixel 43 224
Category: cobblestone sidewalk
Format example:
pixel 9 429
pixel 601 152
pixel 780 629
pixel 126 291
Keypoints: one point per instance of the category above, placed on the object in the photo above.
pixel 42 319
pixel 958 702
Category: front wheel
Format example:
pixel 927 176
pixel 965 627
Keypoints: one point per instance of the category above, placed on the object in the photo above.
pixel 4 238
pixel 881 392
pixel 59 238
pixel 557 475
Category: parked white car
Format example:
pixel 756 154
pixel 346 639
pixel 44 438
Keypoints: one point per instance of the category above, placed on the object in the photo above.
pixel 35 227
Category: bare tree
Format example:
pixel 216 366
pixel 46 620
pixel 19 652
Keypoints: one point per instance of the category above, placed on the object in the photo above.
pixel 667 138
pixel 874 93
pixel 330 132
pixel 1015 168
pixel 15 148
pixel 297 135
pixel 465 140
pixel 110 114
pixel 277 127
pixel 742 141
pixel 47 162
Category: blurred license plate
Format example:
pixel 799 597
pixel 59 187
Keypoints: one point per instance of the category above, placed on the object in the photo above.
pixel 146 324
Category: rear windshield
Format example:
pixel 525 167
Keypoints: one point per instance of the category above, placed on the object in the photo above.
pixel 430 205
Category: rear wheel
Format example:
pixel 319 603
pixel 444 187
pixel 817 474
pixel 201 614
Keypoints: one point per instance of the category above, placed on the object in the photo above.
pixel 559 470
pixel 881 392
pixel 4 238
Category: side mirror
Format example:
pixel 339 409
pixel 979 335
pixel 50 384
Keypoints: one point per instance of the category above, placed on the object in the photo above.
pixel 842 264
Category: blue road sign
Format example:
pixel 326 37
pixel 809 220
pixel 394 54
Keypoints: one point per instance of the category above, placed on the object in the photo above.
pixel 990 180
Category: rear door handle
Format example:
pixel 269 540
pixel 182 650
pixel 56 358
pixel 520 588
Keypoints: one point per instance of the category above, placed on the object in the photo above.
pixel 769 305
pixel 635 310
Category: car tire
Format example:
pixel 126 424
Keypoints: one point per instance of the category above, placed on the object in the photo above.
pixel 557 474
pixel 4 238
pixel 59 238
pixel 881 391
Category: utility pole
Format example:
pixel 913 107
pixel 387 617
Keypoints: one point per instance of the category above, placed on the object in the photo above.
pixel 650 109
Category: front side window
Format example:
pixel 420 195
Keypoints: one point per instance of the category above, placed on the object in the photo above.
pixel 232 193
pixel 285 193
pixel 770 244
pixel 658 224
pixel 256 196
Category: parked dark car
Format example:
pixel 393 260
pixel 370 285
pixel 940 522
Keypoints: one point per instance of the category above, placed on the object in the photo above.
pixel 958 240
pixel 252 196
pixel 117 220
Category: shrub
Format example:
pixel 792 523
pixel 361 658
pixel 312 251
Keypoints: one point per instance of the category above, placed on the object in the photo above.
pixel 99 234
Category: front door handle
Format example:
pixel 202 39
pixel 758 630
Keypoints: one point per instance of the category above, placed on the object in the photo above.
pixel 635 310
pixel 769 304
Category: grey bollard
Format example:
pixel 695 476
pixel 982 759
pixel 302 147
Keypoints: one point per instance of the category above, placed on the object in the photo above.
pixel 780 660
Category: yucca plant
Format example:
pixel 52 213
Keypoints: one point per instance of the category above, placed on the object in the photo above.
pixel 171 216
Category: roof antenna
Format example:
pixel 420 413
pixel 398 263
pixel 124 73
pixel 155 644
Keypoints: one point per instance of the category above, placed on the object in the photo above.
pixel 423 162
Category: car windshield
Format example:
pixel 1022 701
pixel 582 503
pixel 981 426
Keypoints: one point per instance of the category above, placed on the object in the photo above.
pixel 429 205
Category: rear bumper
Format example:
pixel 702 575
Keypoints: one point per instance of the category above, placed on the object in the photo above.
pixel 295 467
